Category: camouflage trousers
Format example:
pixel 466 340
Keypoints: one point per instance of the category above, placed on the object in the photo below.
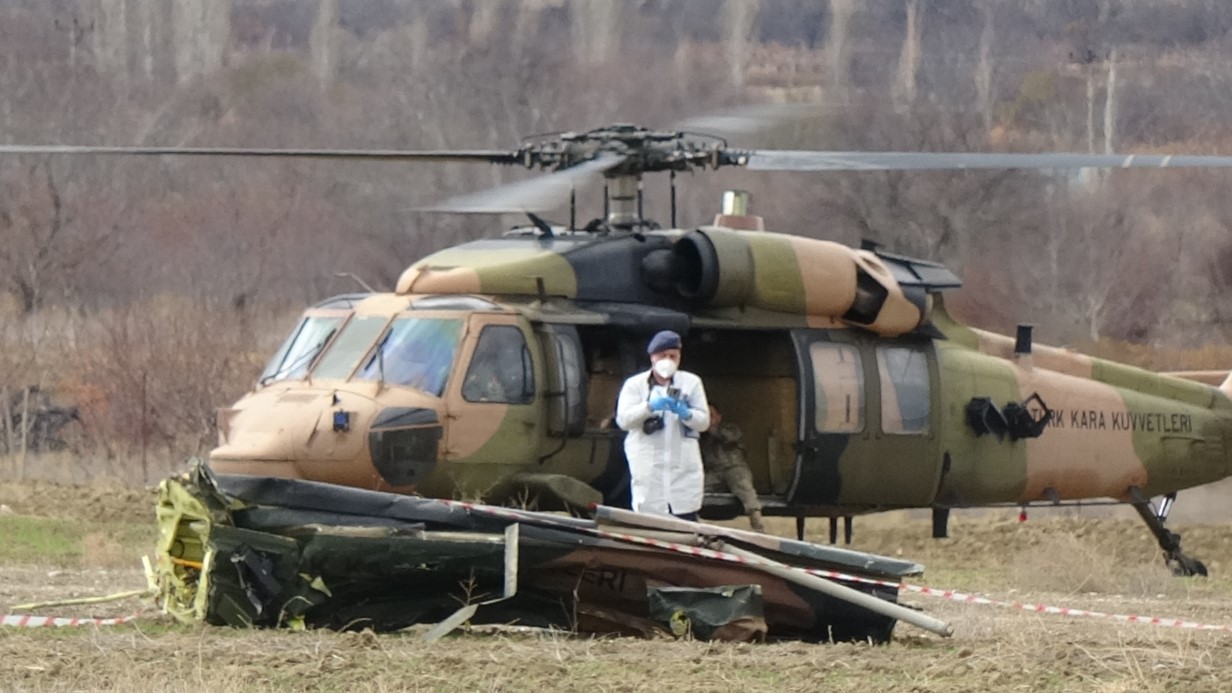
pixel 732 472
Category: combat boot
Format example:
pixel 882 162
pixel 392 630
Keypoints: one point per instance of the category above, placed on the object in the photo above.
pixel 755 521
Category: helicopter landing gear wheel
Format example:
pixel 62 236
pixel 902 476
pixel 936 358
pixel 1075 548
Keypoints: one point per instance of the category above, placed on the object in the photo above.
pixel 1169 541
pixel 1184 566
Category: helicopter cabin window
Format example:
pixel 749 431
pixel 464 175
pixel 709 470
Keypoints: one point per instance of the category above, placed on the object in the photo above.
pixel 501 369
pixel 349 347
pixel 415 352
pixel 838 388
pixel 904 390
pixel 298 351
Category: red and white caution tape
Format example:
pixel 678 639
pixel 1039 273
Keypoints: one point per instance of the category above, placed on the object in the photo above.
pixel 956 596
pixel 18 621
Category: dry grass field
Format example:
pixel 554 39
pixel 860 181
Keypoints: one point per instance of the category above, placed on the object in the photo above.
pixel 63 542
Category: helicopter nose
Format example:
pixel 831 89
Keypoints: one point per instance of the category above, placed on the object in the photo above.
pixel 266 432
pixel 343 435
pixel 276 433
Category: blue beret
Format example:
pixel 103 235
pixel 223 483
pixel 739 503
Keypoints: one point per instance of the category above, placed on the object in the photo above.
pixel 663 341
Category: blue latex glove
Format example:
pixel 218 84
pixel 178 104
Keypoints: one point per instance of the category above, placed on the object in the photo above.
pixel 661 403
pixel 681 409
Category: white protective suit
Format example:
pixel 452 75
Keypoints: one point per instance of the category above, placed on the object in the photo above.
pixel 665 467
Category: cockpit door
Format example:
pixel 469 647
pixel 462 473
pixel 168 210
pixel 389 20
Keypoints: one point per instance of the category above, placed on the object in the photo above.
pixel 492 402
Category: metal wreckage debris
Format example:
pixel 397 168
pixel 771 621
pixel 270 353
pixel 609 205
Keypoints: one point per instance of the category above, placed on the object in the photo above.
pixel 251 551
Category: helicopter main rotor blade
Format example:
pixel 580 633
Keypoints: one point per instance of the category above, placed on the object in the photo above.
pixel 490 156
pixel 803 160
pixel 744 120
pixel 539 194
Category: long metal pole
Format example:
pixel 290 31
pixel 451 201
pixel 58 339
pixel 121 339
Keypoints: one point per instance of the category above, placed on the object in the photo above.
pixel 832 554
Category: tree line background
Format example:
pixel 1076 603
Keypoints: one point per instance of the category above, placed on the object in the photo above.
pixel 147 292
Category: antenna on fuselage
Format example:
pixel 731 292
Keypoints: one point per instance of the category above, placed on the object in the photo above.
pixel 359 281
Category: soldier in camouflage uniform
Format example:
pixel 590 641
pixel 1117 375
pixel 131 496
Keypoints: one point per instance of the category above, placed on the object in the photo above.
pixel 723 460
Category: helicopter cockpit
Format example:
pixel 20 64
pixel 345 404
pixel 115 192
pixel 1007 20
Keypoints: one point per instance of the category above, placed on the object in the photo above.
pixel 408 351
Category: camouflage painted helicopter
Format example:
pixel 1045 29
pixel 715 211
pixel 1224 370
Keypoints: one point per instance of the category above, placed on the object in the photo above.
pixel 493 367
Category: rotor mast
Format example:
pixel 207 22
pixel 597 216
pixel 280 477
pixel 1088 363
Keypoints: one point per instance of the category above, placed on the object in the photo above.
pixel 623 207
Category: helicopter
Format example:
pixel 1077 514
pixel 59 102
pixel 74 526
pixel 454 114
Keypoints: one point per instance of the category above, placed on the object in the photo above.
pixel 492 369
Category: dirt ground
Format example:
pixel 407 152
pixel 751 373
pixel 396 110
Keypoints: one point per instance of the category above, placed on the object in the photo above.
pixel 1089 559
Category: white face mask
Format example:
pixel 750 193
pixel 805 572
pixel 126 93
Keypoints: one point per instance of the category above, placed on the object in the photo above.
pixel 665 368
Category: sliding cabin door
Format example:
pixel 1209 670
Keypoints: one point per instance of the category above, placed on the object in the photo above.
pixel 868 419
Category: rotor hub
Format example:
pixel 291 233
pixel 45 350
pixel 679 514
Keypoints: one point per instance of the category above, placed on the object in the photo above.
pixel 641 150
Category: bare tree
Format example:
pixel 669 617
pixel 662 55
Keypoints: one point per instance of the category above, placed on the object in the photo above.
pixel 1097 266
pixel 841 12
pixel 323 45
pixel 984 68
pixel 599 25
pixel 47 238
pixel 740 18
pixel 907 83
pixel 1110 110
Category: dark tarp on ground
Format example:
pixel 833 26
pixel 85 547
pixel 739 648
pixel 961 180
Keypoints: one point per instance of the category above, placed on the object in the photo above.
pixel 730 612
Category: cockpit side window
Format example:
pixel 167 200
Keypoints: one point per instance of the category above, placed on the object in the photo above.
pixel 501 369
pixel 351 344
pixel 415 352
pixel 300 349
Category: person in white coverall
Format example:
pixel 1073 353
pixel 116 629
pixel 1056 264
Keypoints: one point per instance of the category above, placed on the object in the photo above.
pixel 664 410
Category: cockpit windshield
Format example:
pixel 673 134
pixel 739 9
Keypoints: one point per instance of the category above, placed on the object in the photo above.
pixel 350 346
pixel 298 351
pixel 415 352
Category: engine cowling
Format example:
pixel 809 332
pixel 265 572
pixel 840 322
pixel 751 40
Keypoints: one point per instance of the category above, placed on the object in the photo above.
pixel 721 268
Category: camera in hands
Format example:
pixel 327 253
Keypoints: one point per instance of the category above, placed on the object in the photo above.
pixel 670 402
